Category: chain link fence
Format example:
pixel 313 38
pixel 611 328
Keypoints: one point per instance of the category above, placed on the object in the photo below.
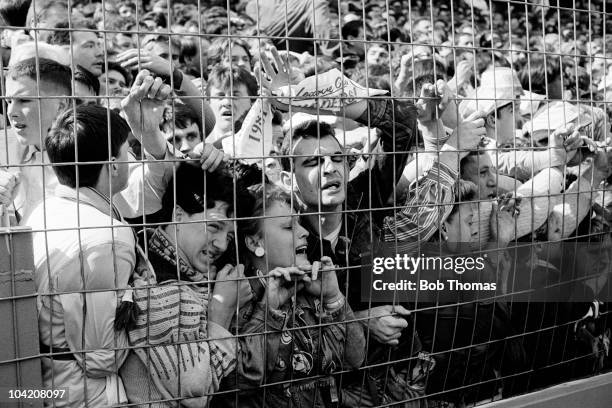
pixel 305 203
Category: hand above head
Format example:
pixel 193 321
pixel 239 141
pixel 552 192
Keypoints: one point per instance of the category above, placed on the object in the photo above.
pixel 273 79
pixel 433 101
pixel 144 105
pixel 470 133
pixel 142 59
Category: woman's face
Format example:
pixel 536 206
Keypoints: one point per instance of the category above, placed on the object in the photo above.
pixel 282 237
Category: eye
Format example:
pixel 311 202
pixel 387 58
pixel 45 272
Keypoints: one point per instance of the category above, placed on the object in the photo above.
pixel 212 227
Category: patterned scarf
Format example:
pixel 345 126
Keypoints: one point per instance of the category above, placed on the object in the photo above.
pixel 170 311
pixel 161 245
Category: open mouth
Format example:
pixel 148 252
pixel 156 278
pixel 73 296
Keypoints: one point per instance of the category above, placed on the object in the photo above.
pixel 331 185
pixel 19 126
pixel 301 250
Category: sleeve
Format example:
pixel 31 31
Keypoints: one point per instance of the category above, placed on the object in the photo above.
pixel 397 123
pixel 261 339
pixel 89 318
pixel 344 341
pixel 428 203
pixel 575 205
pixel 522 164
pixel 147 184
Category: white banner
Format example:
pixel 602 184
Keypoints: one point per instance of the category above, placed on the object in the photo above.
pixel 330 90
pixel 254 139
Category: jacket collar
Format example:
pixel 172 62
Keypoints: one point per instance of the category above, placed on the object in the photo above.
pixel 89 196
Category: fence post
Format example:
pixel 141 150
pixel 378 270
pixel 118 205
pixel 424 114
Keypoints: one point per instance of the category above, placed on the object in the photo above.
pixel 19 333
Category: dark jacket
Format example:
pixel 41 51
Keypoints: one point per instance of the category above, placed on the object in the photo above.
pixel 292 352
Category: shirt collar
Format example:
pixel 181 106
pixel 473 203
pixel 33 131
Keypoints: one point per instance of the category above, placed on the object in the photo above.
pixel 29 153
pixel 90 196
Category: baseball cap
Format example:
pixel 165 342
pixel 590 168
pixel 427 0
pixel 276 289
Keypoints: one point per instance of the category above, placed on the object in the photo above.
pixel 551 117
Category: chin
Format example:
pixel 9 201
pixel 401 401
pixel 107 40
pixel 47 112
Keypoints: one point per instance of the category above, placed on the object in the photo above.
pixel 301 260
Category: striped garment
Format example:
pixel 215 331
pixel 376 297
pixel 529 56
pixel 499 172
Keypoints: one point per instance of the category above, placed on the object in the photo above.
pixel 171 334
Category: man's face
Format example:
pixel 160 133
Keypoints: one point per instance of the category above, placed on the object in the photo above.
pixel 228 110
pixel 480 171
pixel 204 237
pixel 24 110
pixel 87 52
pixel 185 139
pixel 377 55
pixel 116 82
pixel 162 49
pixel 120 181
pixel 422 31
pixel 505 124
pixel 320 169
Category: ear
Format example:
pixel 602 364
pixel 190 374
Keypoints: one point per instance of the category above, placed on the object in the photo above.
pixel 63 104
pixel 252 242
pixel 490 120
pixel 114 168
pixel 179 214
pixel 288 180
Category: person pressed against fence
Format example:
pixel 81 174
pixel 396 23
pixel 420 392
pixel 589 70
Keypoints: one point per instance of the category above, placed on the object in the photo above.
pixel 182 128
pixel 190 300
pixel 83 268
pixel 291 297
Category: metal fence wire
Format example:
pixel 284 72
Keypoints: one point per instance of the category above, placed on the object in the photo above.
pixel 303 203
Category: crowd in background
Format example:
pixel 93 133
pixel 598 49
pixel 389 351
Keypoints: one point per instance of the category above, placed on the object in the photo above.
pixel 208 185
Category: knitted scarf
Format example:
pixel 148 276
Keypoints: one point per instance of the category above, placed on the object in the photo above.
pixel 170 313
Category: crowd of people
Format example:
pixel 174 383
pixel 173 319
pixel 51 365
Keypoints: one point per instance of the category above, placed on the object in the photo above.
pixel 208 186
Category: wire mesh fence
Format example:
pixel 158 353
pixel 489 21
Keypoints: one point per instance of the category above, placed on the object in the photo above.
pixel 305 203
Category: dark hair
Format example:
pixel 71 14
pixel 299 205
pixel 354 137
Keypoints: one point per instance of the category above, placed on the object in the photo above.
pixel 180 116
pixel 113 66
pixel 42 12
pixel 538 73
pixel 197 190
pixel 221 45
pixel 250 211
pixel 49 72
pixel 158 18
pixel 427 70
pixel 310 129
pixel 62 36
pixel 222 76
pixel 86 131
pixel 467 159
pixel 15 12
pixel 88 79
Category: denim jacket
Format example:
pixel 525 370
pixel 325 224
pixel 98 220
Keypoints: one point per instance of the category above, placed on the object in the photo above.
pixel 292 352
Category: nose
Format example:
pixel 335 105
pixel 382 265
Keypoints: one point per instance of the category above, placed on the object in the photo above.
pixel 302 232
pixel 184 146
pixel 220 242
pixel 491 181
pixel 328 165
